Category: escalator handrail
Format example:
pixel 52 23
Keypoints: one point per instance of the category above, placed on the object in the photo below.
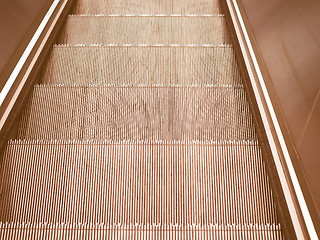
pixel 14 84
pixel 303 225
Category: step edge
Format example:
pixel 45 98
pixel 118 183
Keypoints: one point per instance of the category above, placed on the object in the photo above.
pixel 147 15
pixel 114 45
pixel 244 142
pixel 130 86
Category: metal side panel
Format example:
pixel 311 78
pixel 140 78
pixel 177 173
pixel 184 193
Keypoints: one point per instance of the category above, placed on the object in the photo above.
pixel 27 69
pixel 297 219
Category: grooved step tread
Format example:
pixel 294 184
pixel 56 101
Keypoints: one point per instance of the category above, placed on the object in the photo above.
pixel 148 7
pixel 141 130
pixel 151 182
pixel 137 112
pixel 103 231
pixel 87 64
pixel 145 30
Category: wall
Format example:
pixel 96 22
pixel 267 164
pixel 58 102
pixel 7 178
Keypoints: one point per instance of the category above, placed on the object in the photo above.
pixel 288 35
pixel 18 22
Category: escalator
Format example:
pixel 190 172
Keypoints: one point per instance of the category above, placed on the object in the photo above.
pixel 140 128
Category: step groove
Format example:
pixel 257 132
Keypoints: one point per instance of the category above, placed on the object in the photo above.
pixel 161 182
pixel 104 231
pixel 145 30
pixel 113 64
pixel 137 113
pixel 148 7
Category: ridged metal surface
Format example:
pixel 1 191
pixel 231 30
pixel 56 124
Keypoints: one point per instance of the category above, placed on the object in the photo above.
pixel 151 182
pixel 103 231
pixel 148 6
pixel 142 65
pixel 156 30
pixel 138 112
pixel 141 130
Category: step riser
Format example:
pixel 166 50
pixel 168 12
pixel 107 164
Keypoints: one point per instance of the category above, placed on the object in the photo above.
pixel 146 30
pixel 148 7
pixel 81 231
pixel 142 65
pixel 128 113
pixel 127 183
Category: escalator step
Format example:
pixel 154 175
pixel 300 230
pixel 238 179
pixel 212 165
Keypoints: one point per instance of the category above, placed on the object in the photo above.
pixel 148 7
pixel 150 182
pixel 137 112
pixel 142 65
pixel 103 231
pixel 145 30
